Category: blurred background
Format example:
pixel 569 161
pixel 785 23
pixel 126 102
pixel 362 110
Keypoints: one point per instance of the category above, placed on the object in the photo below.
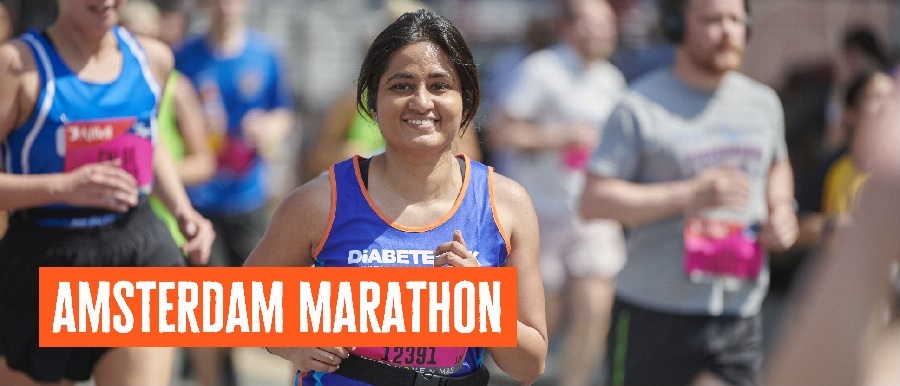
pixel 794 41
pixel 797 47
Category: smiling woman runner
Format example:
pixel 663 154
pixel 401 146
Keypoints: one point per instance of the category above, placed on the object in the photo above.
pixel 422 89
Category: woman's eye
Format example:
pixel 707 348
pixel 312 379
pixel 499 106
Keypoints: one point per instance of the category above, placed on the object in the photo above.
pixel 401 87
pixel 440 86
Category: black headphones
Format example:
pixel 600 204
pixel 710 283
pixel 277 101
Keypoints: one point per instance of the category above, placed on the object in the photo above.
pixel 671 19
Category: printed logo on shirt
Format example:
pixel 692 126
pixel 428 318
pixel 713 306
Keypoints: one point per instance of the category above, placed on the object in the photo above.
pixel 250 84
pixel 393 256
pixel 87 133
pixel 124 139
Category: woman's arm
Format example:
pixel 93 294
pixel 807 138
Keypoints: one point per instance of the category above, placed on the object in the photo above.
pixel 296 229
pixel 167 186
pixel 525 363
pixel 830 330
pixel 830 324
pixel 199 163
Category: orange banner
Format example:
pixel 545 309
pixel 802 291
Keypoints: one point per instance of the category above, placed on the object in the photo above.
pixel 277 307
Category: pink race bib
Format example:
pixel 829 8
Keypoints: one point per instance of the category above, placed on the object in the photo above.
pixel 109 139
pixel 429 360
pixel 576 157
pixel 236 156
pixel 719 247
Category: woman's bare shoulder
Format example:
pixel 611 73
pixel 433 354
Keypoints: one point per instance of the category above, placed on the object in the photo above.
pixel 21 84
pixel 509 194
pixel 513 206
pixel 313 198
pixel 15 55
pixel 159 56
pixel 297 227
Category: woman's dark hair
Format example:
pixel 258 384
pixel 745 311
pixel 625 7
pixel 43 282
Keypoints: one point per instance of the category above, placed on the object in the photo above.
pixel 414 27
pixel 864 39
pixel 857 86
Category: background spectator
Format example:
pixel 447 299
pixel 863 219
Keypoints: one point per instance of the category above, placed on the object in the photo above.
pixel 548 124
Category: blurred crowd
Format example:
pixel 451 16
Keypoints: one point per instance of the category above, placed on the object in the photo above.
pixel 243 134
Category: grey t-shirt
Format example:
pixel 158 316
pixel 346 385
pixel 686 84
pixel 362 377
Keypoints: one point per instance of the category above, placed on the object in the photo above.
pixel 664 131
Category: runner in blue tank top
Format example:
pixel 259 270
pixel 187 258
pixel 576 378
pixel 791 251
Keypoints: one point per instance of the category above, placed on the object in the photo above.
pixel 77 138
pixel 414 205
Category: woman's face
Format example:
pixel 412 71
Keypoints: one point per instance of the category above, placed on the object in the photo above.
pixel 419 98
pixel 228 12
pixel 97 14
pixel 877 93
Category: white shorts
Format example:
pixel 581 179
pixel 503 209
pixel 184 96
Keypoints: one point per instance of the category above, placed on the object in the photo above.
pixel 578 248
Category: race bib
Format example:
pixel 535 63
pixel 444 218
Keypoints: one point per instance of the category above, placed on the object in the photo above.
pixel 109 139
pixel 576 157
pixel 236 156
pixel 428 360
pixel 721 248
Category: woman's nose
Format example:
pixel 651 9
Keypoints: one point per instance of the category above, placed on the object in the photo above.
pixel 421 100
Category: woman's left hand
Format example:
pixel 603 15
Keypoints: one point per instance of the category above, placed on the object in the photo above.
pixel 454 253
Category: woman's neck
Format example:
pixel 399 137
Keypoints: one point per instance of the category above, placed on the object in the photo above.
pixel 417 178
pixel 81 43
pixel 92 57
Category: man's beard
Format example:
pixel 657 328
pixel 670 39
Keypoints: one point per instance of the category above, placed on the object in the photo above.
pixel 720 62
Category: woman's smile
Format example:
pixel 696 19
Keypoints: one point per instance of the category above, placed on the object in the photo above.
pixel 423 123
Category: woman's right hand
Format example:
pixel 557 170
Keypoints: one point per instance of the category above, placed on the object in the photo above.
pixel 321 359
pixel 101 185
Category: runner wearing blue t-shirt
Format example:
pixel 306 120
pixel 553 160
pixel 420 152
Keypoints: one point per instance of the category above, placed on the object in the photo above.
pixel 247 99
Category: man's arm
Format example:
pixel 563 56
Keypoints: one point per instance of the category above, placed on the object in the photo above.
pixel 267 129
pixel 267 126
pixel 633 203
pixel 781 229
pixel 520 134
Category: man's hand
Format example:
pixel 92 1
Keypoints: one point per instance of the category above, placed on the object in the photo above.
pixel 720 187
pixel 780 231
